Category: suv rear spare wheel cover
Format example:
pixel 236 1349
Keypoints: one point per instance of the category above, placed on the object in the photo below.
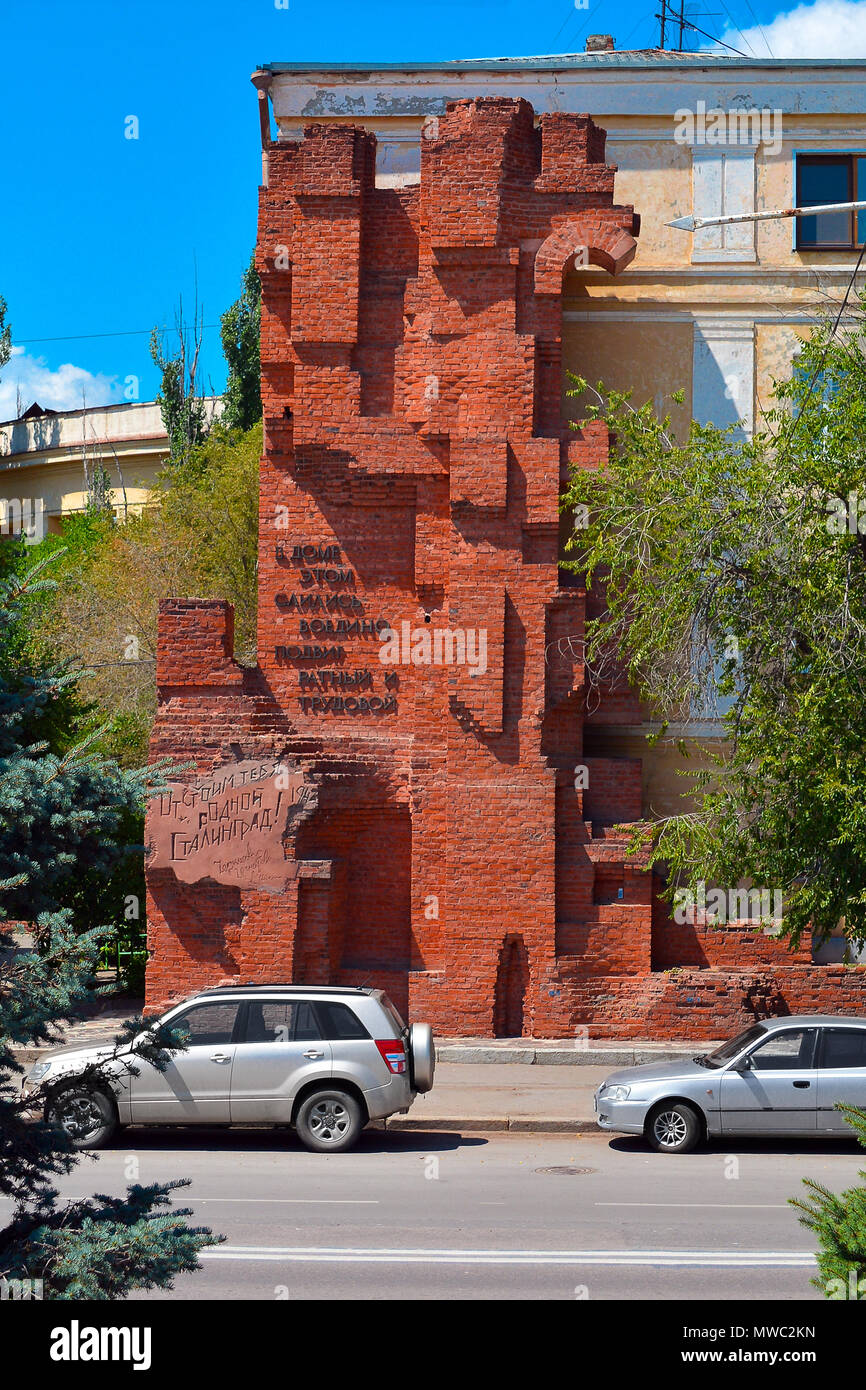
pixel 423 1056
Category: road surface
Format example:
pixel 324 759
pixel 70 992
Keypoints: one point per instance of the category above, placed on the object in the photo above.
pixel 462 1216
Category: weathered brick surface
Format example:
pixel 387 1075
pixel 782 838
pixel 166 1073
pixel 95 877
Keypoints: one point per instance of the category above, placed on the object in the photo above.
pixel 414 453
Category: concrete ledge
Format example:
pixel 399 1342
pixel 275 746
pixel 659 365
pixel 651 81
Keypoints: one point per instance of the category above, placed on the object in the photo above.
pixel 439 1122
pixel 555 1053
pixel 475 1053
pixel 523 1124
pixel 26 1056
pixel 540 1124
pixel 562 1055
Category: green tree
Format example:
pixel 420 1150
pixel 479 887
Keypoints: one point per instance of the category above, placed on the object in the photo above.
pixel 60 816
pixel 240 328
pixel 28 658
pixel 5 335
pixel 839 1221
pixel 181 403
pixel 201 538
pixel 735 570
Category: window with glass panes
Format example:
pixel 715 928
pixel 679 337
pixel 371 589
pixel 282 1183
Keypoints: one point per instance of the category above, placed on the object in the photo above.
pixel 831 178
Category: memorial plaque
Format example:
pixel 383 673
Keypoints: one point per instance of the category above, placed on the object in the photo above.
pixel 229 826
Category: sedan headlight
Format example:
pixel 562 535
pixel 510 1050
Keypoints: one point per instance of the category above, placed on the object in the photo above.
pixel 37 1071
pixel 615 1092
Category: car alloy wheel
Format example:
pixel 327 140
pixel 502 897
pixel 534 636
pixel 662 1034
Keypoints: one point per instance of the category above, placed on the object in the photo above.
pixel 670 1129
pixel 80 1115
pixel 329 1120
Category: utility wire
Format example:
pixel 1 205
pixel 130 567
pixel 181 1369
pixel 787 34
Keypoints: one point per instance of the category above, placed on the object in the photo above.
pixel 567 20
pixel 582 26
pixel 760 30
pixel 820 367
pixel 123 333
pixel 736 26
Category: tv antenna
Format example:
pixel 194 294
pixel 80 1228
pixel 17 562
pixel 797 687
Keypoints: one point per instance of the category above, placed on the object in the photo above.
pixel 677 17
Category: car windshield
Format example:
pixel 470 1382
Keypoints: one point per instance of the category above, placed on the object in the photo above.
pixel 157 1021
pixel 729 1050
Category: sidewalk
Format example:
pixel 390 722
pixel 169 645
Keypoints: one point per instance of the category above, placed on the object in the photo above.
pixel 511 1096
pixel 104 1020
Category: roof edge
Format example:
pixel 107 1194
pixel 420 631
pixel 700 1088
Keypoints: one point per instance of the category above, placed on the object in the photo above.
pixel 623 60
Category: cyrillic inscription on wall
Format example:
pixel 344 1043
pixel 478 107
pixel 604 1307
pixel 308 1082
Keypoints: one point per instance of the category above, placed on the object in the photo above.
pixel 229 826
pixel 329 614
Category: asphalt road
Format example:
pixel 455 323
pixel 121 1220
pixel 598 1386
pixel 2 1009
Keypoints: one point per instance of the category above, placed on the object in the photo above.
pixel 450 1216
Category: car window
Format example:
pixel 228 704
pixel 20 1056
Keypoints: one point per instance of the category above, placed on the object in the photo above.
pixel 278 1020
pixel 207 1024
pixel 340 1022
pixel 306 1024
pixel 844 1047
pixel 393 1013
pixel 788 1051
pixel 729 1050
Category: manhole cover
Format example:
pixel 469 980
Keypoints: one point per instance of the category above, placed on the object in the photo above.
pixel 566 1170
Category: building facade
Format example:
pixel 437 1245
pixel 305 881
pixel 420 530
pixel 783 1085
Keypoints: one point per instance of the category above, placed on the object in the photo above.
pixel 413 788
pixel 53 461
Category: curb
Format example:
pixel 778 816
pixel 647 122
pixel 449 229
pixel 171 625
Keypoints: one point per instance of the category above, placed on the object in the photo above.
pixel 26 1056
pixel 518 1124
pixel 471 1054
pixel 567 1056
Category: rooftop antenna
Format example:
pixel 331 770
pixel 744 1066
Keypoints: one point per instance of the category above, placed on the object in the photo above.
pixel 680 16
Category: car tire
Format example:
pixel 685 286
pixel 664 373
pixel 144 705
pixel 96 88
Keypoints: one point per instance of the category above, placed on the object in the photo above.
pixel 85 1113
pixel 329 1121
pixel 422 1056
pixel 673 1128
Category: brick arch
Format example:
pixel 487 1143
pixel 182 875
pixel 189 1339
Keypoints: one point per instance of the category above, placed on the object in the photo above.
pixel 607 245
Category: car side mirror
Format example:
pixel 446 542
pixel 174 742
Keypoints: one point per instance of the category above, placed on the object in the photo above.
pixel 143 1039
pixel 745 1064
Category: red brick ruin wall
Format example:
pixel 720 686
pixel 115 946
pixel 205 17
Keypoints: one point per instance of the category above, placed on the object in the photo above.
pixel 414 458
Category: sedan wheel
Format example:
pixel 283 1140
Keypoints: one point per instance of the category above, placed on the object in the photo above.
pixel 673 1129
pixel 329 1121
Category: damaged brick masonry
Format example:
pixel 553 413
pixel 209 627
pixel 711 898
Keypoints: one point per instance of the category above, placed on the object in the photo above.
pixel 419 826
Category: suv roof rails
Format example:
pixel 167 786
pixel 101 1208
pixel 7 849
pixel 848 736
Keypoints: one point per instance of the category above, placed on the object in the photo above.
pixel 299 989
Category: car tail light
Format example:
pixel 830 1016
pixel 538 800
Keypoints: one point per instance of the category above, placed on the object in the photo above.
pixel 394 1053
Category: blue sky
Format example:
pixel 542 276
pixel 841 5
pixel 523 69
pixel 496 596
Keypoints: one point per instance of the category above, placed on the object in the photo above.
pixel 100 234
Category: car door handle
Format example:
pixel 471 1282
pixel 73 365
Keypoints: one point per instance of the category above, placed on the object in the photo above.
pixel 312 1054
pixel 802 1085
pixel 220 1057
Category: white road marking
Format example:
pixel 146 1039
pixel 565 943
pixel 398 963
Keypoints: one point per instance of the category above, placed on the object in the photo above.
pixel 314 1254
pixel 722 1206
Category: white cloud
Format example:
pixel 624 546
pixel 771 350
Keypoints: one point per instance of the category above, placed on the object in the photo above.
pixel 825 29
pixel 61 388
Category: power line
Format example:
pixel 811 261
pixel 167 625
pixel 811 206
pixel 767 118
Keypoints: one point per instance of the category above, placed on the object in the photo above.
pixel 641 20
pixel 736 26
pixel 566 21
pixel 123 333
pixel 820 367
pixel 580 27
pixel 760 30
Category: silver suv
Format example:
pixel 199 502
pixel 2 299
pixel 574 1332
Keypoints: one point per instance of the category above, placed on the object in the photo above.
pixel 324 1060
